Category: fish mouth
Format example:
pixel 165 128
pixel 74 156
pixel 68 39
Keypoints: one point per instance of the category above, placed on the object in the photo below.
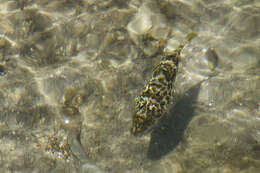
pixel 139 132
pixel 143 126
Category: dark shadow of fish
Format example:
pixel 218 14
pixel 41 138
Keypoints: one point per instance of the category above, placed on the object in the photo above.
pixel 169 131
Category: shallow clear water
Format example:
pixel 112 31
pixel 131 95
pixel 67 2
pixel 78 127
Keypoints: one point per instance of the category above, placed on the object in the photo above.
pixel 70 72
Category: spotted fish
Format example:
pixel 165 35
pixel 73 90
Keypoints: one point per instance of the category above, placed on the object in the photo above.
pixel 154 100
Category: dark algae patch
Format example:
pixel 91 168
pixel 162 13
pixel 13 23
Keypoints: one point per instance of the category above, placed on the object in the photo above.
pixel 3 70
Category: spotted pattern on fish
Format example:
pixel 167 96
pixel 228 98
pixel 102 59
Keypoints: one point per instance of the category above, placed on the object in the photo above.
pixel 157 94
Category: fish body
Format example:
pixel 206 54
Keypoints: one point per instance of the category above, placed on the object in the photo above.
pixel 154 100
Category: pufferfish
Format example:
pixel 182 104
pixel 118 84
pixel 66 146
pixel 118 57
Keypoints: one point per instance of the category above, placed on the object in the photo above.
pixel 156 96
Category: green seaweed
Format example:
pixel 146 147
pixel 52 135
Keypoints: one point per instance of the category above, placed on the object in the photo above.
pixel 73 100
pixel 191 35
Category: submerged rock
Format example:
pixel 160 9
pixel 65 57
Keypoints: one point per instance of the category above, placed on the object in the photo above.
pixel 141 24
pixel 202 61
pixel 148 29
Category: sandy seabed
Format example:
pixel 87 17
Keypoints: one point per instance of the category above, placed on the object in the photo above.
pixel 70 72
